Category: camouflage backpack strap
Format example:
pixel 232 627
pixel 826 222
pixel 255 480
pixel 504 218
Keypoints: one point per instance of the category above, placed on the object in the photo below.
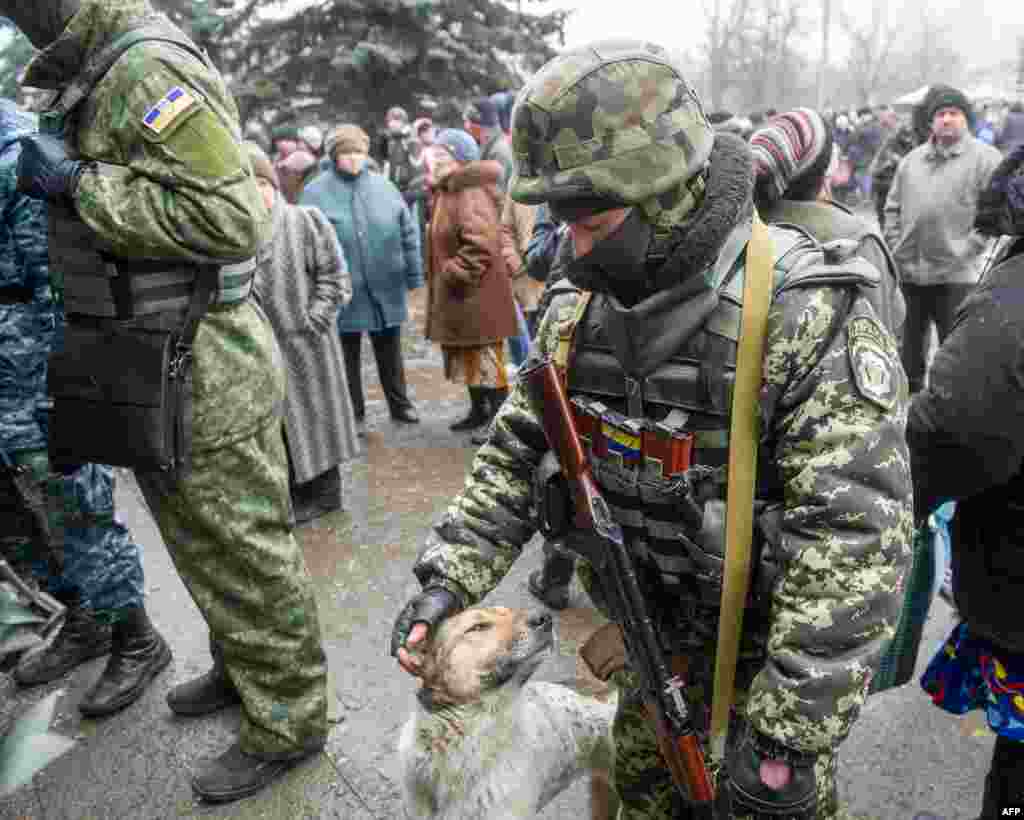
pixel 156 29
pixel 567 332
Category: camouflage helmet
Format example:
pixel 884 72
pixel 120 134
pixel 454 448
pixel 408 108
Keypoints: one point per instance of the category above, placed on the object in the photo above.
pixel 614 120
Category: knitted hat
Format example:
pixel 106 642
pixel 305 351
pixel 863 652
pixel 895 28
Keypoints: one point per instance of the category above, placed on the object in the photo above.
pixel 313 137
pixel 347 139
pixel 788 147
pixel 483 112
pixel 944 96
pixel 261 167
pixel 461 145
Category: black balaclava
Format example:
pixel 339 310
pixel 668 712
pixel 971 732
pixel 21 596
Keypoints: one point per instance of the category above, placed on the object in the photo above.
pixel 42 21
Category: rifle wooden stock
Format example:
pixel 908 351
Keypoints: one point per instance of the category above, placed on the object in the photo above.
pixel 611 561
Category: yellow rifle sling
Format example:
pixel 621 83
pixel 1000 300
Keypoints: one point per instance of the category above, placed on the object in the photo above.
pixel 743 440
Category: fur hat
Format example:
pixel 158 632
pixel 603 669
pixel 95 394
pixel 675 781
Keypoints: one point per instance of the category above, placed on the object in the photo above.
pixel 944 96
pixel 483 112
pixel 347 139
pixel 396 112
pixel 261 167
pixel 789 146
pixel 461 145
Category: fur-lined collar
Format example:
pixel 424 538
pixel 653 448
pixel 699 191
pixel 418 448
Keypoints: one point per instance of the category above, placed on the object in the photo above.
pixel 476 174
pixel 695 245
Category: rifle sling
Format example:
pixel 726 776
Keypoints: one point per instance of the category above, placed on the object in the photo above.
pixel 743 441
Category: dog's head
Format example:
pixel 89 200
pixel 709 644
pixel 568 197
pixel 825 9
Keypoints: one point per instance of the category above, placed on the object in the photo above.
pixel 481 650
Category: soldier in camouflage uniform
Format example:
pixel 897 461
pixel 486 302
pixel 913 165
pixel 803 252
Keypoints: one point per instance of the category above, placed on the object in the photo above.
pixel 150 167
pixel 101 580
pixel 660 212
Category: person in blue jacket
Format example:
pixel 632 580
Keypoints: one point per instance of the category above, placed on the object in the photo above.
pixel 381 241
pixel 100 580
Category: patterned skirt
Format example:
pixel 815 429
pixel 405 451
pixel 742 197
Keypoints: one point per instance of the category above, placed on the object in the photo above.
pixel 969 672
pixel 481 366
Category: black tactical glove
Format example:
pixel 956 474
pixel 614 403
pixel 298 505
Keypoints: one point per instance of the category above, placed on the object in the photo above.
pixel 431 606
pixel 45 171
pixel 742 792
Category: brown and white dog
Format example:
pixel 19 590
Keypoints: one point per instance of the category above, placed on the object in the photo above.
pixel 483 742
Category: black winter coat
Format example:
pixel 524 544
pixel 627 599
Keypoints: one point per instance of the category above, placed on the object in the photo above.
pixel 966 437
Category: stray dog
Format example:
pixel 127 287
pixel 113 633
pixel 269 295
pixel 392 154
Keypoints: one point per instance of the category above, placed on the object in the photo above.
pixel 483 743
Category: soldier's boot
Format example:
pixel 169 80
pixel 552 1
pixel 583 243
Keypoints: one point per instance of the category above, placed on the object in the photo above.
pixel 80 638
pixel 1004 785
pixel 477 411
pixel 495 398
pixel 206 694
pixel 138 654
pixel 326 492
pixel 550 583
pixel 236 774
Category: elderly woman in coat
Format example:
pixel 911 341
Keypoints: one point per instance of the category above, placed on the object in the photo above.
pixel 381 241
pixel 301 283
pixel 471 307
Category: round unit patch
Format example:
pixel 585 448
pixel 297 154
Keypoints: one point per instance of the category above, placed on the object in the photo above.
pixel 875 368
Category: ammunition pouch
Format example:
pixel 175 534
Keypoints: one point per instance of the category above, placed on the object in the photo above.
pixel 702 551
pixel 123 395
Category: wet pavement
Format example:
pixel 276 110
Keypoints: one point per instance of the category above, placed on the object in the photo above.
pixel 903 757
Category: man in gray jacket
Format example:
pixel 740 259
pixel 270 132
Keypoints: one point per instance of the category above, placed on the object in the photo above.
pixel 929 216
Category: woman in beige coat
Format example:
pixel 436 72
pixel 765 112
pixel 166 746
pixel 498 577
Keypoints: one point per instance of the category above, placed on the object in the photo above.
pixel 301 283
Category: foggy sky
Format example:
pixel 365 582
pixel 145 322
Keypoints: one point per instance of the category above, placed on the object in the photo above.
pixel 984 31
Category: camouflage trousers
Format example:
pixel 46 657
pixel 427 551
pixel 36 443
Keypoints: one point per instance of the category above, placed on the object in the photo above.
pixel 102 563
pixel 226 526
pixel 642 780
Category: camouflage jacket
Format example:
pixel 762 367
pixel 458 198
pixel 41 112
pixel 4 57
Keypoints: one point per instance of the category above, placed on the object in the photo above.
pixel 26 328
pixel 883 167
pixel 168 179
pixel 839 447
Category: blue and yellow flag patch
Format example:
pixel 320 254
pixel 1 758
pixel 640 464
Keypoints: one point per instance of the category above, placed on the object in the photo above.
pixel 173 105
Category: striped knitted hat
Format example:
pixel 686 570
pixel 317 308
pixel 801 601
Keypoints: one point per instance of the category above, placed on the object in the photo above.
pixel 789 146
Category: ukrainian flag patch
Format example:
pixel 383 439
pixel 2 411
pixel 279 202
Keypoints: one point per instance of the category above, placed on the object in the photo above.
pixel 173 105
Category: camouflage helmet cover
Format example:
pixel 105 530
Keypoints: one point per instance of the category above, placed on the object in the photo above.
pixel 614 119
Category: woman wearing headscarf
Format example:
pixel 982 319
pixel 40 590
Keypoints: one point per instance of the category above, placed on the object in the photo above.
pixel 382 245
pixel 301 283
pixel 471 308
pixel 793 155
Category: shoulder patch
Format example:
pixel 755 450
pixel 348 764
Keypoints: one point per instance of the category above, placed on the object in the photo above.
pixel 166 110
pixel 873 364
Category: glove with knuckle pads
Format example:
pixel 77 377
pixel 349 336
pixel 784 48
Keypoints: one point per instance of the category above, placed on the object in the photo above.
pixel 744 792
pixel 431 606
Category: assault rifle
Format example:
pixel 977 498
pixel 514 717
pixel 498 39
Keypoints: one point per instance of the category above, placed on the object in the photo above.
pixel 28 491
pixel 614 567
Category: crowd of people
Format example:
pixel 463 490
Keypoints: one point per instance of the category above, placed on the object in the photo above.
pixel 603 223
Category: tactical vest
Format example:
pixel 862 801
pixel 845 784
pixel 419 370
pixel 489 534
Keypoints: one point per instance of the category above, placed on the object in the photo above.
pixel 674 519
pixel 95 283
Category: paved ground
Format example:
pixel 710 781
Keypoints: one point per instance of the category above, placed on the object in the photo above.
pixel 904 755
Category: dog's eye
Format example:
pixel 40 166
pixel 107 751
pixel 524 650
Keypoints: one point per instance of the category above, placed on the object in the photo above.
pixel 481 627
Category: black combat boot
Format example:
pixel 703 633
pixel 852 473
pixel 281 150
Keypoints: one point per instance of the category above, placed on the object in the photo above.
pixel 137 654
pixel 1004 785
pixel 550 583
pixel 477 411
pixel 206 694
pixel 81 638
pixel 236 774
pixel 495 397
